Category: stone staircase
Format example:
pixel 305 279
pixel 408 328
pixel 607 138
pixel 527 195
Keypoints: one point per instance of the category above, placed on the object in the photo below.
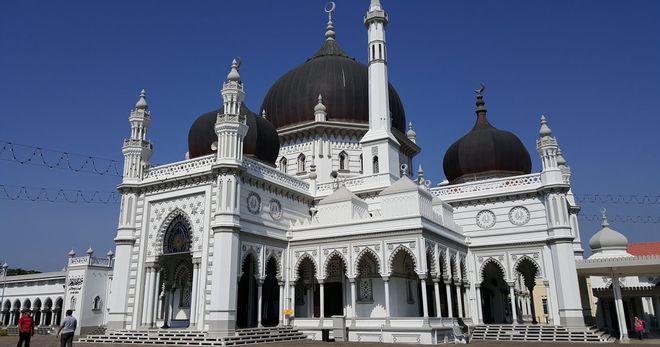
pixel 547 333
pixel 171 337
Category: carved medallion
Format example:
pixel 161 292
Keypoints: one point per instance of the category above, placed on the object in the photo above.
pixel 253 203
pixel 275 209
pixel 486 219
pixel 519 215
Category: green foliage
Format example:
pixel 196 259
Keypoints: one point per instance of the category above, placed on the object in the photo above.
pixel 3 332
pixel 19 271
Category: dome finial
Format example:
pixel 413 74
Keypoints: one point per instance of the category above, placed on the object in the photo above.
pixel 233 74
pixel 604 222
pixel 561 161
pixel 545 129
pixel 142 102
pixel 481 105
pixel 375 5
pixel 320 110
pixel 411 134
pixel 330 28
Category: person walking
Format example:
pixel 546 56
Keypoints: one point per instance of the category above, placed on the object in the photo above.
pixel 67 329
pixel 25 329
pixel 639 328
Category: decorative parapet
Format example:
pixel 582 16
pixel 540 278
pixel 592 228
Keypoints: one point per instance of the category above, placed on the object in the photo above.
pixel 133 142
pixel 270 174
pixel 357 183
pixel 177 169
pixel 488 188
pixel 87 260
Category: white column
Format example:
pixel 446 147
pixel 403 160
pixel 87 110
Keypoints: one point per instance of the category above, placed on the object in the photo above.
pixel 354 308
pixel 280 303
pixel 436 292
pixel 551 316
pixel 386 282
pixel 480 318
pixel 260 283
pixel 322 299
pixel 512 299
pixel 149 295
pixel 528 301
pixel 450 307
pixel 425 299
pixel 292 300
pixel 194 294
pixel 618 304
pixel 154 297
pixel 459 299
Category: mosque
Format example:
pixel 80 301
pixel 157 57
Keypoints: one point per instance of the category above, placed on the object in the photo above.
pixel 307 213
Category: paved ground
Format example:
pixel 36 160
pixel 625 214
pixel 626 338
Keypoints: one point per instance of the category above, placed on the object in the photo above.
pixel 51 341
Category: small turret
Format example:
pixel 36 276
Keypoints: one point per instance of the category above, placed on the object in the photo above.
pixel 411 134
pixel 137 150
pixel 231 126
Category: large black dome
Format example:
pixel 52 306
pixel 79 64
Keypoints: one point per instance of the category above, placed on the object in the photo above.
pixel 261 140
pixel 343 83
pixel 485 152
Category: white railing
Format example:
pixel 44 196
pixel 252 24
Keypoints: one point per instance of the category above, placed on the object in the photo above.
pixel 363 182
pixel 179 168
pixel 88 260
pixel 493 185
pixel 268 173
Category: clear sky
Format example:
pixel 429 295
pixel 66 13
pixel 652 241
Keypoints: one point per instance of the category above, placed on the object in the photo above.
pixel 70 71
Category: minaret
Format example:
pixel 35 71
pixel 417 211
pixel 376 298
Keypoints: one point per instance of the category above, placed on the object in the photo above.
pixel 548 150
pixel 231 126
pixel 380 149
pixel 137 150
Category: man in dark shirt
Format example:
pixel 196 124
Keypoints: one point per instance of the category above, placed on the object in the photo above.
pixel 25 329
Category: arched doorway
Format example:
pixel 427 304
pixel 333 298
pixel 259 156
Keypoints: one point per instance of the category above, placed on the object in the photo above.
pixel 494 295
pixel 176 268
pixel 526 272
pixel 404 286
pixel 48 311
pixel 58 310
pixel 246 315
pixel 6 310
pixel 36 312
pixel 271 295
pixel 370 299
pixel 16 312
pixel 306 286
pixel 334 285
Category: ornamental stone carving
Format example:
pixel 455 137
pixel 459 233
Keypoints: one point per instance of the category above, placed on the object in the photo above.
pixel 485 219
pixel 519 215
pixel 162 212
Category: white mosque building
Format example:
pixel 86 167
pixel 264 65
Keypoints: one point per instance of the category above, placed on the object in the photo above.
pixel 308 209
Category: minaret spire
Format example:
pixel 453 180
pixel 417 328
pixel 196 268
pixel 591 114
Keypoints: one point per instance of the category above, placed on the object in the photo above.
pixel 137 150
pixel 379 143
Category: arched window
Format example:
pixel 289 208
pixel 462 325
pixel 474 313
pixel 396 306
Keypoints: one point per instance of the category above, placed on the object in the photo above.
pixel 375 162
pixel 73 303
pixel 343 161
pixel 283 164
pixel 97 303
pixel 177 237
pixel 301 163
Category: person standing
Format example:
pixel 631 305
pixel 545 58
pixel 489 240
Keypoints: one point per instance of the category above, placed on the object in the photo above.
pixel 639 327
pixel 66 330
pixel 25 329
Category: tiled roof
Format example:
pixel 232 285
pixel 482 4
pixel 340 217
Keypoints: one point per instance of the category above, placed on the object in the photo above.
pixel 644 248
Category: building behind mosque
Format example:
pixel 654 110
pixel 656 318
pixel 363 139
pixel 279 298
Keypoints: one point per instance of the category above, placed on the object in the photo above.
pixel 307 213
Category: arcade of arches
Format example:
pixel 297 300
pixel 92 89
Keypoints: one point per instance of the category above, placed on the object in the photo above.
pixel 46 314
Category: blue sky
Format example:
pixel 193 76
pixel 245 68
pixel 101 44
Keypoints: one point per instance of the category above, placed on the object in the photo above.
pixel 70 71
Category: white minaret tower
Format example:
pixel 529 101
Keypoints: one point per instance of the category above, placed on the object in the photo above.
pixel 380 149
pixel 137 150
pixel 231 126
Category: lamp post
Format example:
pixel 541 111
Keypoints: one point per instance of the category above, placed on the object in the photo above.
pixel 4 280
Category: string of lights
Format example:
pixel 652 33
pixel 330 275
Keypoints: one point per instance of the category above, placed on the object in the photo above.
pixel 24 154
pixel 622 219
pixel 618 199
pixel 72 196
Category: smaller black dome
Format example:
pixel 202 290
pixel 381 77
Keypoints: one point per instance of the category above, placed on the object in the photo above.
pixel 261 140
pixel 485 152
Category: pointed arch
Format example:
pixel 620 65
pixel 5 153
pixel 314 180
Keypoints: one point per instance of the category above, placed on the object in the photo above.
pixel 283 163
pixel 402 248
pixel 375 164
pixel 368 252
pixel 496 263
pixel 343 160
pixel 301 163
pixel 165 225
pixel 532 261
pixel 278 263
pixel 333 254
pixel 304 256
pixel 27 304
pixel 255 262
